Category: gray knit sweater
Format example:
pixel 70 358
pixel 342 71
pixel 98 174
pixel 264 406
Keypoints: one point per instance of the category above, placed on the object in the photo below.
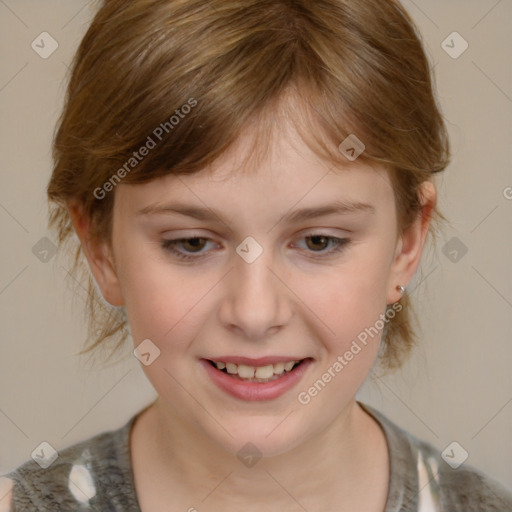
pixel 96 475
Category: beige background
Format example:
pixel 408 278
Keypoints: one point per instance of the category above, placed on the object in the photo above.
pixel 457 386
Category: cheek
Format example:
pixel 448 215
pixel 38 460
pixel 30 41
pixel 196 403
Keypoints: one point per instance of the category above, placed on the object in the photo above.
pixel 157 297
pixel 348 306
pixel 346 299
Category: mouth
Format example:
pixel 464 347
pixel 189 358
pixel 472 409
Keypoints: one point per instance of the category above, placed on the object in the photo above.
pixel 265 373
pixel 264 379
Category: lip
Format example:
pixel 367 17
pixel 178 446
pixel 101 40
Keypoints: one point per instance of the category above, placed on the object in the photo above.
pixel 255 391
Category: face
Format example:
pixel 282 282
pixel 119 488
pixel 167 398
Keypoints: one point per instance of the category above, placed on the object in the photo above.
pixel 289 262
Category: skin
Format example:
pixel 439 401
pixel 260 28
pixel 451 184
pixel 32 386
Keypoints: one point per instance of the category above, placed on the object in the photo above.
pixel 295 299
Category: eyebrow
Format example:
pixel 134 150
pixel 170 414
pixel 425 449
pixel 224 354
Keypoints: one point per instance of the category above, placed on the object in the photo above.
pixel 339 207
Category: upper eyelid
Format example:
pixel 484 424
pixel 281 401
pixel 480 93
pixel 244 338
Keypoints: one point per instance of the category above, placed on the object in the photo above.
pixel 312 231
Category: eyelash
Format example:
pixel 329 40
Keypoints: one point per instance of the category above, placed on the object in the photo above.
pixel 169 245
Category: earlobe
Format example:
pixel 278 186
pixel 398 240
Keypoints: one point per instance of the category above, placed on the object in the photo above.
pixel 99 256
pixel 411 242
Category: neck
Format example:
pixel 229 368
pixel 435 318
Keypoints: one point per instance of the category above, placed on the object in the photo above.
pixel 341 461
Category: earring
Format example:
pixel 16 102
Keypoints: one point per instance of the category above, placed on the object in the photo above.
pixel 401 289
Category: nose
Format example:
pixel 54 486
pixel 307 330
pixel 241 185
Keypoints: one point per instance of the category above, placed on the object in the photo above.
pixel 256 302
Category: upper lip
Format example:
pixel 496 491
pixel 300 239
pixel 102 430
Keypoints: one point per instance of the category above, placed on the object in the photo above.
pixel 260 361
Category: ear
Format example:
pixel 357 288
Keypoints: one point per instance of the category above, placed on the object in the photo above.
pixel 410 243
pixel 99 256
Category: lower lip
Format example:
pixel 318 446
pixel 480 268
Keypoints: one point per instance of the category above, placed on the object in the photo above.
pixel 256 391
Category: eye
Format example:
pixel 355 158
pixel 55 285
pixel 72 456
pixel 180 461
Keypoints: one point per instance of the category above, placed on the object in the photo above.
pixel 318 241
pixel 196 243
pixel 315 243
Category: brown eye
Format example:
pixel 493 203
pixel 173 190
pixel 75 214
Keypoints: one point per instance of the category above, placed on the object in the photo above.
pixel 193 244
pixel 319 242
pixel 186 248
pixel 322 246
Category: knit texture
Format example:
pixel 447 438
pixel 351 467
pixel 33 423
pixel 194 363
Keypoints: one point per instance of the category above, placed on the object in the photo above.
pixel 96 475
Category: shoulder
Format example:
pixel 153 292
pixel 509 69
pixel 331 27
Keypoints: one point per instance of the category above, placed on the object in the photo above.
pixel 424 478
pixel 461 487
pixel 84 474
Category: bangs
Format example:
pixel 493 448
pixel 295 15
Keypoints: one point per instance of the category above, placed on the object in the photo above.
pixel 179 152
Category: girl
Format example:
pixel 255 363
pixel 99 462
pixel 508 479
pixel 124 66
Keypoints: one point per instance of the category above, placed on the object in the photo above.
pixel 252 185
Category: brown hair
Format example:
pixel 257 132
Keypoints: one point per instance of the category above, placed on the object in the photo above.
pixel 352 68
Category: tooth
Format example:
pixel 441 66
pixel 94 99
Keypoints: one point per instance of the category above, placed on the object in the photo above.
pixel 246 372
pixel 231 368
pixel 279 368
pixel 289 366
pixel 261 372
pixel 264 372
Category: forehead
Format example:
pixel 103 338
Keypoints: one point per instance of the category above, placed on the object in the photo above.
pixel 282 170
